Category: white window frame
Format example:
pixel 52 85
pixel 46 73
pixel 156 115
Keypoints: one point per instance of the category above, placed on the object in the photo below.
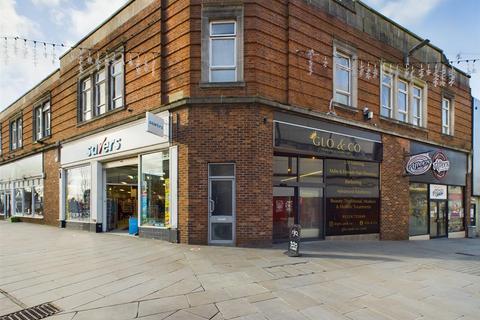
pixel 390 87
pixel 446 122
pixel 114 76
pixel 419 98
pixel 349 70
pixel 346 51
pixel 212 37
pixel 404 92
pixel 86 95
pixel 97 91
pixel 42 120
pixel 394 90
pixel 16 133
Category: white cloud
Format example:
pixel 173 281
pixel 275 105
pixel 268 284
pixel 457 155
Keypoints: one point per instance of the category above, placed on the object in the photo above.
pixel 48 3
pixel 404 12
pixel 95 12
pixel 11 23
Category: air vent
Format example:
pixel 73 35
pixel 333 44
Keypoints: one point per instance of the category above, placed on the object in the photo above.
pixel 34 313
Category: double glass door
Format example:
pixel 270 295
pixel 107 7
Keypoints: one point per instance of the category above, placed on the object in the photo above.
pixel 438 219
pixel 298 205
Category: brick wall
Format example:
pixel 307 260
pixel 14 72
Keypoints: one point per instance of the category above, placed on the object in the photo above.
pixel 394 189
pixel 224 133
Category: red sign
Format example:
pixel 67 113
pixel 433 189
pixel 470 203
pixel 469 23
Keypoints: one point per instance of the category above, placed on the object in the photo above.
pixel 440 165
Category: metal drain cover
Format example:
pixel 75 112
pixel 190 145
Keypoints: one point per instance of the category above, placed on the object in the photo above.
pixel 34 313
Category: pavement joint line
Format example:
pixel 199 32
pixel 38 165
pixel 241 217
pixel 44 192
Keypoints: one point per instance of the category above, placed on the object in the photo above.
pixel 13 299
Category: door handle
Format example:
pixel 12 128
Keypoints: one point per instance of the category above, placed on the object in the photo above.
pixel 211 205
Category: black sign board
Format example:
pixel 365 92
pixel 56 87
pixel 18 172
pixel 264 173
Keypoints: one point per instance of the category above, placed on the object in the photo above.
pixel 352 197
pixel 294 241
pixel 457 165
pixel 323 141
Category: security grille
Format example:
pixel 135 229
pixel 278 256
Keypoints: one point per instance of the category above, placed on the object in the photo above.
pixel 34 313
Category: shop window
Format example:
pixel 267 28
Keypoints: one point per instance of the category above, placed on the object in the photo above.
pixel 284 170
pixel 16 133
pixel 96 84
pixel 403 98
pixel 418 221
pixel 37 193
pixel 344 75
pixel 2 203
pixel 18 201
pixel 222 44
pixel 155 190
pixel 310 170
pixel 77 193
pixel 42 120
pixel 455 209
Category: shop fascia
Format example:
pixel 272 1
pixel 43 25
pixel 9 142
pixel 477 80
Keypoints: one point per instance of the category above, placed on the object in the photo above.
pixel 17 181
pixel 146 136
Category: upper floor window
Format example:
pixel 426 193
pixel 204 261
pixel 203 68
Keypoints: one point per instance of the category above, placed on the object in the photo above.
pixel 97 86
pixel 402 99
pixel 42 120
pixel 16 133
pixel 344 78
pixel 446 116
pixel 222 45
pixel 223 64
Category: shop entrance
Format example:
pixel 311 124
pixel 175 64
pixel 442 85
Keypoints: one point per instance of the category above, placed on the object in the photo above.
pixel 121 196
pixel 284 211
pixel 438 218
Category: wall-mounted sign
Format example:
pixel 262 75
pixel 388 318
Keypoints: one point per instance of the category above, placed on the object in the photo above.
pixel 438 192
pixel 123 140
pixel 418 164
pixel 352 197
pixel 155 124
pixel 296 138
pixel 440 165
pixel 106 146
pixel 448 166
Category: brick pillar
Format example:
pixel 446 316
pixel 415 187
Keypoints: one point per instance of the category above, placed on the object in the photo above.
pixel 394 190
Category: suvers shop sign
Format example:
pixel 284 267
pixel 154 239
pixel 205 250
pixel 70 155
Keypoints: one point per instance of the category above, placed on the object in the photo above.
pixel 420 164
pixel 106 146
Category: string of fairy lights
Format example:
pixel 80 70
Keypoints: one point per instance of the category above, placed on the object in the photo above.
pixel 440 73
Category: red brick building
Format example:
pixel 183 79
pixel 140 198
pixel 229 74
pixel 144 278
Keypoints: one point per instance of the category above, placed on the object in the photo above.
pixel 262 114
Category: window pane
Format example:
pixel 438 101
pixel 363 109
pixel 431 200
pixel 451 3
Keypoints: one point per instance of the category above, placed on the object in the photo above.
pixel 222 197
pixel 2 203
pixel 155 190
pixel 311 170
pixel 445 117
pixel 455 209
pixel 343 61
pixel 416 92
pixel 222 170
pixel 342 80
pixel 77 200
pixel 222 231
pixel 418 221
pixel 224 28
pixel 342 98
pixel 223 52
pixel 223 75
pixel 387 79
pixel 386 100
pixel 18 201
pixel 38 123
pixel 402 86
pixel 38 200
pixel 19 133
pixel 27 200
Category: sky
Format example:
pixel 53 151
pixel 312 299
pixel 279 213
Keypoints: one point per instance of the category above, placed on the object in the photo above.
pixel 451 25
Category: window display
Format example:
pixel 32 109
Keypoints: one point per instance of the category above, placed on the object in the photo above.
pixel 2 203
pixel 27 198
pixel 18 201
pixel 37 200
pixel 455 209
pixel 154 193
pixel 418 224
pixel 78 194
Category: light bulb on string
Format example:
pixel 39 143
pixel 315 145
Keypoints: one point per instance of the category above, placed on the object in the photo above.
pixel 15 46
pixel 429 71
pixel 421 72
pixel 5 49
pixel 45 54
pixel 145 64
pixel 153 64
pixel 54 54
pixel 138 65
pixel 97 61
pixel 35 62
pixel 375 71
pixel 89 58
pixel 25 49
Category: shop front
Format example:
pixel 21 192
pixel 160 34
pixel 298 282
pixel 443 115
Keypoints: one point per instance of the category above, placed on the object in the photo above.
pixel 326 178
pixel 123 175
pixel 437 186
pixel 21 188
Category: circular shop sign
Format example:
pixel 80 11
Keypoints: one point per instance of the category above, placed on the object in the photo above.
pixel 419 164
pixel 440 165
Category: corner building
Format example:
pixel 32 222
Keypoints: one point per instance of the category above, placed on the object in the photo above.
pixel 226 122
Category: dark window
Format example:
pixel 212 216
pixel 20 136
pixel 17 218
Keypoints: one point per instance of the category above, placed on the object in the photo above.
pixel 93 90
pixel 16 133
pixel 418 221
pixel 42 121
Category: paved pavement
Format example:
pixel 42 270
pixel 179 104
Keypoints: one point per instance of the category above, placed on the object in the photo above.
pixel 103 276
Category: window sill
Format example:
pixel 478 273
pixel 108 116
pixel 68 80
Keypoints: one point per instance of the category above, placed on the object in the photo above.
pixel 406 124
pixel 42 140
pixel 237 84
pixel 153 227
pixel 344 107
pixel 28 216
pixel 448 136
pixel 106 114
